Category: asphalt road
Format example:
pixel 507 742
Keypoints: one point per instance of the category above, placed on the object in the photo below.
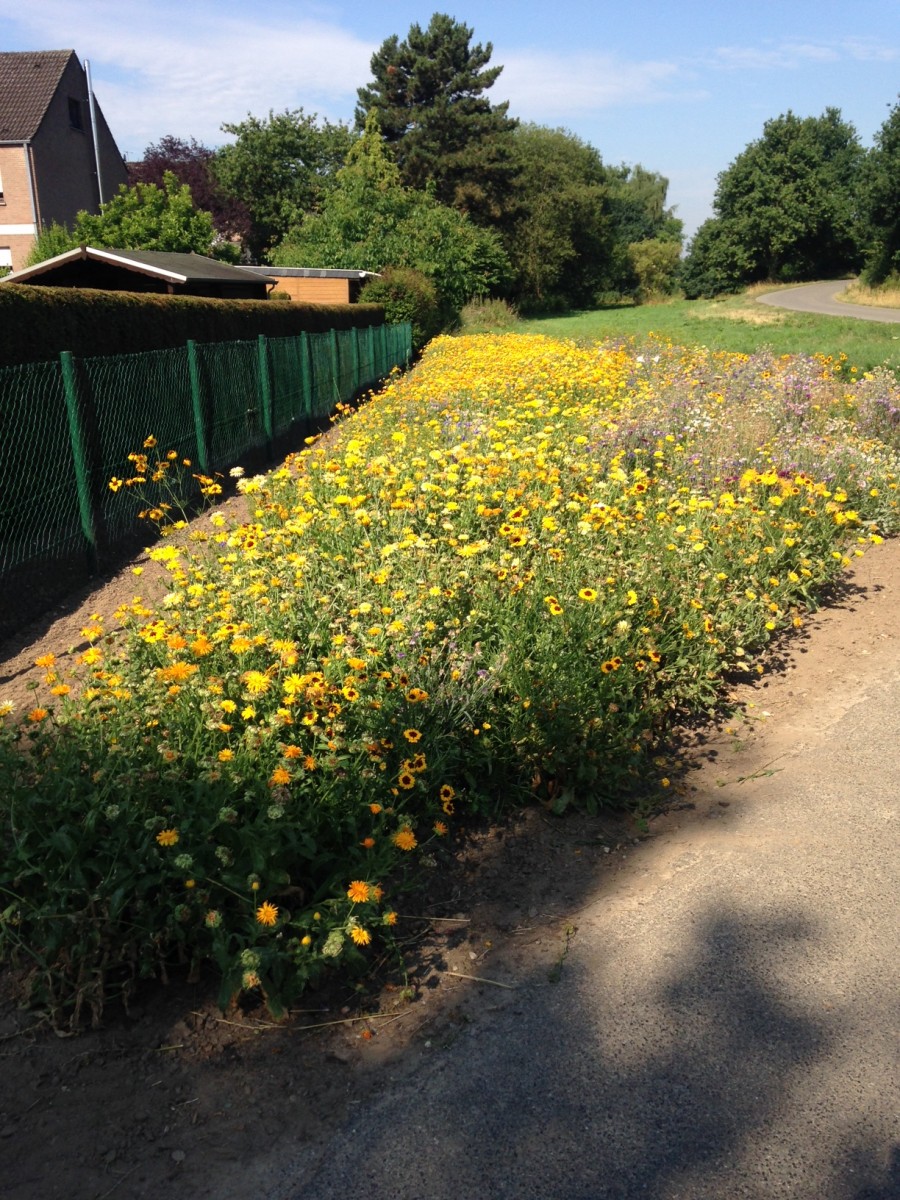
pixel 819 298
pixel 726 1023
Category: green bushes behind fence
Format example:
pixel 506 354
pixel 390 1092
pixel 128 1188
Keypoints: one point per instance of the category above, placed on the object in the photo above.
pixel 67 426
pixel 36 323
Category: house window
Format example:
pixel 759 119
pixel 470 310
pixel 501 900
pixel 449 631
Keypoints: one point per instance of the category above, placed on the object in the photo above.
pixel 5 257
pixel 2 201
pixel 75 113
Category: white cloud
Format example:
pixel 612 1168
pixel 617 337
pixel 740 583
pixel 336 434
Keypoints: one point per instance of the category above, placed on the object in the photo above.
pixel 791 55
pixel 186 69
pixel 547 87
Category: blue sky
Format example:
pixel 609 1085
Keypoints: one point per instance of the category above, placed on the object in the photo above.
pixel 680 87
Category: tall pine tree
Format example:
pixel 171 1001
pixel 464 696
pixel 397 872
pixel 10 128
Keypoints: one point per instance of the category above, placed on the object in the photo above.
pixel 428 96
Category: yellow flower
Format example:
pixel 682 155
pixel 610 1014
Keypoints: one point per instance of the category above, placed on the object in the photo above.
pixel 256 682
pixel 46 661
pixel 267 914
pixel 412 735
pixel 279 777
pixel 167 837
pixel 360 936
pixel 358 891
pixel 587 594
pixel 405 839
pixel 406 780
pixel 226 755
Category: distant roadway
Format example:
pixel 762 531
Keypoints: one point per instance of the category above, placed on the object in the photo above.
pixel 819 298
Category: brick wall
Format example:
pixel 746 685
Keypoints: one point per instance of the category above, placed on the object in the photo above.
pixel 16 216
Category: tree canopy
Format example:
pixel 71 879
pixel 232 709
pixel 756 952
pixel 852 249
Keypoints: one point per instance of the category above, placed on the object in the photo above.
pixel 786 207
pixel 281 168
pixel 192 163
pixel 881 201
pixel 141 217
pixel 369 221
pixel 428 95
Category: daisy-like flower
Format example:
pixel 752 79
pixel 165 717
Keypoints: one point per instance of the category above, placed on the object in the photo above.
pixel 588 595
pixel 267 914
pixel 167 837
pixel 358 891
pixel 406 780
pixel 412 735
pixel 279 777
pixel 360 936
pixel 440 829
pixel 405 839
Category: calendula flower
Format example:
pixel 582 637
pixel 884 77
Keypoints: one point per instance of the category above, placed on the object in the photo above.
pixel 358 891
pixel 360 936
pixel 279 777
pixel 267 914
pixel 167 837
pixel 440 829
pixel 405 839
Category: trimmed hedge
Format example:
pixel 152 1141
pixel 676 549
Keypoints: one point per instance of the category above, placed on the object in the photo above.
pixel 36 323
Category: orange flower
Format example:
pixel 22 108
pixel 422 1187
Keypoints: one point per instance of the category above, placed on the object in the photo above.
pixel 167 837
pixel 358 891
pixel 38 714
pixel 267 914
pixel 361 936
pixel 405 839
pixel 279 777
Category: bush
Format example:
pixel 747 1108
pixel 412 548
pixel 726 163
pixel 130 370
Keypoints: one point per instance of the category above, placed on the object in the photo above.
pixel 488 316
pixel 407 295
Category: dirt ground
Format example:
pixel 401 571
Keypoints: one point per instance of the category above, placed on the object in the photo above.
pixel 175 1098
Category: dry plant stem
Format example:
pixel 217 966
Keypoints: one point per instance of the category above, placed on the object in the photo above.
pixel 481 979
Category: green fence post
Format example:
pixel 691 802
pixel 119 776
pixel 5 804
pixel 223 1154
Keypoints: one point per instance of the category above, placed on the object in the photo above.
pixel 79 443
pixel 265 392
pixel 200 419
pixel 306 375
pixel 336 364
pixel 357 372
pixel 370 355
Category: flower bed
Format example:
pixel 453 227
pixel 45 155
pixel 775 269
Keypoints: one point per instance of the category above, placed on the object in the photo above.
pixel 498 579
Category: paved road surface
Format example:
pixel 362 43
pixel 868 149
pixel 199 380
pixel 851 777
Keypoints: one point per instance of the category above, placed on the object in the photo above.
pixel 726 1025
pixel 819 298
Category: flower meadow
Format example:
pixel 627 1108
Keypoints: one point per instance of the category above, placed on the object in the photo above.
pixel 500 578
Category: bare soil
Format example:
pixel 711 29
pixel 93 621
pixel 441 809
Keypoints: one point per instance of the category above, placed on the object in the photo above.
pixel 178 1099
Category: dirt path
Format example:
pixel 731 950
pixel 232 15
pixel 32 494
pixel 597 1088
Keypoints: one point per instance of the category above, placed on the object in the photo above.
pixel 174 1099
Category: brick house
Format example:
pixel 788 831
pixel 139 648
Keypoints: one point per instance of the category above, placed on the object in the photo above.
pixel 48 164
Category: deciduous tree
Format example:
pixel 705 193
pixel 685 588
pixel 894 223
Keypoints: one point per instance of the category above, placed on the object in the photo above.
pixel 280 168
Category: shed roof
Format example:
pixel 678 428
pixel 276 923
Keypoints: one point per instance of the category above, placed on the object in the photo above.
pixel 310 273
pixel 28 82
pixel 170 266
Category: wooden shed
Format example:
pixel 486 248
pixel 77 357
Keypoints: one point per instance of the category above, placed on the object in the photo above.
pixel 317 285
pixel 146 271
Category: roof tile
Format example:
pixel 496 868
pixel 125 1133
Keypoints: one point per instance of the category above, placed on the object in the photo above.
pixel 28 80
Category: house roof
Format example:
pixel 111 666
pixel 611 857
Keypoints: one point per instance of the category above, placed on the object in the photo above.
pixel 310 273
pixel 172 267
pixel 28 81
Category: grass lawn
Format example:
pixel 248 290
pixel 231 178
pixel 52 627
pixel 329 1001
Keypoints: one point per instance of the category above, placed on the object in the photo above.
pixel 734 323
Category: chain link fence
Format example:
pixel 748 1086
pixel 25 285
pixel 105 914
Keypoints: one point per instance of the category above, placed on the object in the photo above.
pixel 68 426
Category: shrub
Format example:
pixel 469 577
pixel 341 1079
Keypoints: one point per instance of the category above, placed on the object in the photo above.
pixel 488 316
pixel 406 295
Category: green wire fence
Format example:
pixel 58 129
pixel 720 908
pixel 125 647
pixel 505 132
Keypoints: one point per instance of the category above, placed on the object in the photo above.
pixel 67 427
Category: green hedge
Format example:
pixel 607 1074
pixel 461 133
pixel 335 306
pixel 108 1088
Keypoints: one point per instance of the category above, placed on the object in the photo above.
pixel 36 323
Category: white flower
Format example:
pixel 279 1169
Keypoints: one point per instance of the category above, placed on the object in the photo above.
pixel 236 472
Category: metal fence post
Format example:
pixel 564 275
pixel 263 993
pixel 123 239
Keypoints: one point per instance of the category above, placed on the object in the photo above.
pixel 79 442
pixel 336 364
pixel 199 408
pixel 306 375
pixel 265 391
